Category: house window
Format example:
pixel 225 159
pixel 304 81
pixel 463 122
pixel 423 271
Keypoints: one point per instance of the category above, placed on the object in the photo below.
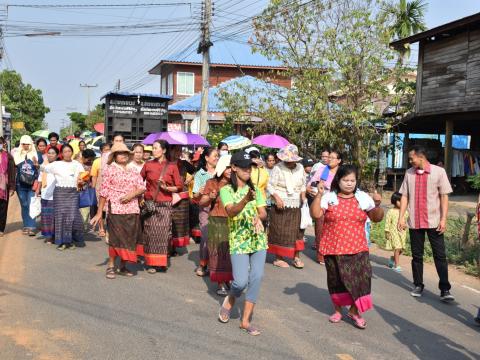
pixel 185 83
pixel 170 84
pixel 163 85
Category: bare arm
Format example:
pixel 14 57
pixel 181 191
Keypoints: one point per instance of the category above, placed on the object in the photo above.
pixel 204 201
pixel 235 209
pixel 442 227
pixel 262 213
pixel 316 210
pixel 403 208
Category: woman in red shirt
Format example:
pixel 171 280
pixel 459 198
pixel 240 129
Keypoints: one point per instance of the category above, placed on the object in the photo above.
pixel 344 244
pixel 163 179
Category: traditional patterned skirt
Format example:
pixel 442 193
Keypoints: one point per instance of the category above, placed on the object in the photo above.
pixel 194 220
pixel 284 234
pixel 68 221
pixel 349 279
pixel 181 222
pixel 122 235
pixel 219 262
pixel 47 218
pixel 203 217
pixel 157 235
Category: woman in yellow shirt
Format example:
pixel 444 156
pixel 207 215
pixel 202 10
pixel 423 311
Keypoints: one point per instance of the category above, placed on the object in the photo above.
pixel 259 174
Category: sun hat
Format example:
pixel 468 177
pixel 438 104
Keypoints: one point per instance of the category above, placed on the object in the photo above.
pixel 241 159
pixel 118 148
pixel 289 154
pixel 222 165
pixel 147 148
pixel 251 148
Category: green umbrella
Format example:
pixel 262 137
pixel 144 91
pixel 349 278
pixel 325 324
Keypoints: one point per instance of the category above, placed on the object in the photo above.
pixel 41 133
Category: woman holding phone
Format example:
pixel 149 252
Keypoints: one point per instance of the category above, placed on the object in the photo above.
pixel 245 207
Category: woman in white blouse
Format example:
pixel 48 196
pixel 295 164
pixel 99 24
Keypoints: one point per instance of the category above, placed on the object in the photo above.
pixel 68 221
pixel 287 189
pixel 46 187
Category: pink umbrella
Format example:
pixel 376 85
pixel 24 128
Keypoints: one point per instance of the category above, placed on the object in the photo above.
pixel 271 141
pixel 151 138
pixel 177 138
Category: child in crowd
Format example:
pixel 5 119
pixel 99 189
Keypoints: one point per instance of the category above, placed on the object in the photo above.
pixel 395 239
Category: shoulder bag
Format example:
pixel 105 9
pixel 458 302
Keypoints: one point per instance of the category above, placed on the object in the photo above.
pixel 148 207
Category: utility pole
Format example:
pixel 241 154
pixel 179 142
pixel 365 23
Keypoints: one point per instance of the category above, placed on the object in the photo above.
pixel 204 48
pixel 88 87
pixel 3 19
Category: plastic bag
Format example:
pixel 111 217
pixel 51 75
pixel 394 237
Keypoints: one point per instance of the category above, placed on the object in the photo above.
pixel 306 219
pixel 35 207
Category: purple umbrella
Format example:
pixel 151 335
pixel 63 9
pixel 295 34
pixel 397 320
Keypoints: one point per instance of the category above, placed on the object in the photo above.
pixel 271 141
pixel 151 138
pixel 182 138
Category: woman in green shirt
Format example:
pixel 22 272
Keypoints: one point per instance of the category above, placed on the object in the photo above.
pixel 245 207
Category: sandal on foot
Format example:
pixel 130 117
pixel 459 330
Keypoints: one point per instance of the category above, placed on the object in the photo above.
pixel 281 264
pixel 224 315
pixel 125 272
pixel 298 264
pixel 110 273
pixel 102 233
pixel 335 318
pixel 151 270
pixel 201 271
pixel 251 330
pixel 222 291
pixel 358 321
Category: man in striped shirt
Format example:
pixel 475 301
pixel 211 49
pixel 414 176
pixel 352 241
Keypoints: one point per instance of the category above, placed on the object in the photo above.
pixel 425 192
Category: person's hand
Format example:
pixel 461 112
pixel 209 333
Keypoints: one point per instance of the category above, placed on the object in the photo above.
pixel 94 221
pixel 257 223
pixel 188 182
pixel 125 199
pixel 35 161
pixel 37 191
pixel 377 199
pixel 311 191
pixel 279 203
pixel 162 184
pixel 320 188
pixel 213 194
pixel 250 196
pixel 442 227
pixel 401 226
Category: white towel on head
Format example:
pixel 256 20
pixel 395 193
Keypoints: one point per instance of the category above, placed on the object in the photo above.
pixel 365 201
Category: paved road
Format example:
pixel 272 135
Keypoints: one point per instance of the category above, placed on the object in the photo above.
pixel 56 305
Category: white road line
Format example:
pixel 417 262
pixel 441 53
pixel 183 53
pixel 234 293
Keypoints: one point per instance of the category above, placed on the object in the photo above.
pixel 472 289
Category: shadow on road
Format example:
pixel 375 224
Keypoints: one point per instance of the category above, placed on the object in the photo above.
pixel 430 298
pixel 309 294
pixel 12 227
pixel 423 343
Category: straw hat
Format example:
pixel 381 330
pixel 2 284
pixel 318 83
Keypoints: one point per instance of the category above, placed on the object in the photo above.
pixel 148 148
pixel 222 164
pixel 289 154
pixel 118 148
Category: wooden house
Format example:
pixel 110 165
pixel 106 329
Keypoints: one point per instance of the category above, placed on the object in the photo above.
pixel 448 83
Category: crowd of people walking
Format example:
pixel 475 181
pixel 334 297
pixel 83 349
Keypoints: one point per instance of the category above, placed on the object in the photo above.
pixel 150 202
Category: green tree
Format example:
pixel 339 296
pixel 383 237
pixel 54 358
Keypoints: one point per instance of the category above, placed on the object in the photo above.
pixel 24 102
pixel 78 121
pixel 84 122
pixel 337 52
pixel 408 18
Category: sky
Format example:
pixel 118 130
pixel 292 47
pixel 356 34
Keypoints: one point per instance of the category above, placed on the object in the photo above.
pixel 58 64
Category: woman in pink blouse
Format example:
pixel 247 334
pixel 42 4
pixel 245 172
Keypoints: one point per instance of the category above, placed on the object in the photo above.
pixel 120 189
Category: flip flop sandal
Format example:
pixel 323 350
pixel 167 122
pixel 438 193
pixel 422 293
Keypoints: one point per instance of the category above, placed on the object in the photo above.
pixel 151 270
pixel 125 272
pixel 335 318
pixel 281 264
pixel 110 273
pixel 358 321
pixel 224 315
pixel 251 330
pixel 200 271
pixel 102 233
pixel 298 264
pixel 222 291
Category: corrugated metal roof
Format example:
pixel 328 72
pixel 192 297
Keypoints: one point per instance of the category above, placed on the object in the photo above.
pixel 127 93
pixel 223 53
pixel 261 90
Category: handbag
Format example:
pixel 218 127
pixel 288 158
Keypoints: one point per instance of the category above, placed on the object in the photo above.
pixel 147 208
pixel 27 174
pixel 87 198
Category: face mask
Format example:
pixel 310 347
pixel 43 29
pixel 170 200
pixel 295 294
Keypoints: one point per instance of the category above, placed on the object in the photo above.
pixel 223 152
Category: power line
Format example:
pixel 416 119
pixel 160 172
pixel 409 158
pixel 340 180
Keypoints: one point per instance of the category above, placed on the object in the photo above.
pixel 98 6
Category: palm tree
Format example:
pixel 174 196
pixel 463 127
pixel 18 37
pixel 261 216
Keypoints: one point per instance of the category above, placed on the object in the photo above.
pixel 408 19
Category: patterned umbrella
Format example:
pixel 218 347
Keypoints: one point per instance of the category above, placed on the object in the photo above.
pixel 41 133
pixel 271 141
pixel 236 142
